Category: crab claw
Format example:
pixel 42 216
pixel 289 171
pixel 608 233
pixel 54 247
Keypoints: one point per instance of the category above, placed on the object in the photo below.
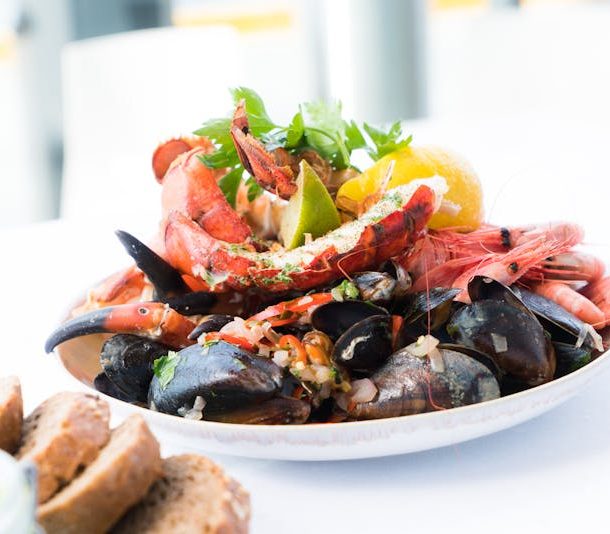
pixel 164 278
pixel 257 161
pixel 153 320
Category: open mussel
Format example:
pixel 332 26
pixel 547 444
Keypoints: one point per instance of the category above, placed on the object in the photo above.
pixel 407 384
pixel 374 286
pixel 226 377
pixel 513 338
pixel 334 318
pixel 426 312
pixel 210 323
pixel 127 361
pixel 563 326
pixel 365 345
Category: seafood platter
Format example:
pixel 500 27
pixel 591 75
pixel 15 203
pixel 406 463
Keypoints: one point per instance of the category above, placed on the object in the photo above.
pixel 292 298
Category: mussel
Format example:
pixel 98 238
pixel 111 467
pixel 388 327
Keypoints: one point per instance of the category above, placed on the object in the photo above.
pixel 570 358
pixel 127 361
pixel 210 323
pixel 513 338
pixel 334 318
pixel 407 385
pixel 426 312
pixel 374 286
pixel 225 376
pixel 365 345
pixel 276 411
pixel 563 326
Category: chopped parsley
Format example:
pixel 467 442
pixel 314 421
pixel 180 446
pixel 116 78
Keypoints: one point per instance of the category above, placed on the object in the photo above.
pixel 165 367
pixel 345 290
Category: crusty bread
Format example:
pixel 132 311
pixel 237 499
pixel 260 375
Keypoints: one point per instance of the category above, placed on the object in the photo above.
pixel 118 478
pixel 11 413
pixel 62 435
pixel 193 496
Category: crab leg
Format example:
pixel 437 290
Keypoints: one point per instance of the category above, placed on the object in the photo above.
pixel 257 161
pixel 148 319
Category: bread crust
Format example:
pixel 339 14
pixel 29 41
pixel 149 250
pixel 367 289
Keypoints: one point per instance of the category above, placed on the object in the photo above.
pixel 119 477
pixel 194 495
pixel 11 413
pixel 62 435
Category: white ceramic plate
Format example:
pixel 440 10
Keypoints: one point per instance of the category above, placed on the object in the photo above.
pixel 342 441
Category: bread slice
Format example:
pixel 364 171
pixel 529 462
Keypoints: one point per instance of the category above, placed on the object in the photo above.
pixel 194 495
pixel 62 435
pixel 118 478
pixel 11 413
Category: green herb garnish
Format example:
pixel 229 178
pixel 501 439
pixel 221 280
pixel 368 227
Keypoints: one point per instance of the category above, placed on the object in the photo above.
pixel 385 142
pixel 165 367
pixel 345 290
pixel 317 125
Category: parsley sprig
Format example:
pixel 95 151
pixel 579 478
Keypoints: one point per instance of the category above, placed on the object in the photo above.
pixel 317 125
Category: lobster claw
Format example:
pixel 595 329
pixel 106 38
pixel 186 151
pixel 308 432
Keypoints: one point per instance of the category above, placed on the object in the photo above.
pixel 152 320
pixel 257 161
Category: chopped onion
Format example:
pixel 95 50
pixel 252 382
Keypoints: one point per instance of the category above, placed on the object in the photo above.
pixel 363 390
pixel 323 374
pixel 423 346
pixel 437 364
pixel 269 333
pixel 586 330
pixel 337 294
pixel 281 358
pixel 499 342
pixel 581 336
pixel 196 412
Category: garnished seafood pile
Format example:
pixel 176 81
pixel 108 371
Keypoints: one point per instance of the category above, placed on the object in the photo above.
pixel 285 286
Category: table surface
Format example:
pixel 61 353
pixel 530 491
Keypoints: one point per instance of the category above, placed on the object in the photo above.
pixel 551 474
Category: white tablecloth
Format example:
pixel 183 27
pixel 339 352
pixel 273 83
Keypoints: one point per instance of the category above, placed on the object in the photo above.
pixel 551 474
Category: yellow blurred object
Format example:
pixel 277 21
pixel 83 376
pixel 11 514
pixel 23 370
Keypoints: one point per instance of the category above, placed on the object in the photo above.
pixel 423 162
pixel 242 21
pixel 7 44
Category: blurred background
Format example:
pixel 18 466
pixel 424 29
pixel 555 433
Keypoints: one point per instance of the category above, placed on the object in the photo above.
pixel 88 88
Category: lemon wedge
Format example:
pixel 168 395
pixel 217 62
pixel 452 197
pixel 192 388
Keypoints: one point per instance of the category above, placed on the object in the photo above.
pixel 465 194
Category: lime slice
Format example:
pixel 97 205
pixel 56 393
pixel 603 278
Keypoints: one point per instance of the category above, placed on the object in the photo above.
pixel 310 210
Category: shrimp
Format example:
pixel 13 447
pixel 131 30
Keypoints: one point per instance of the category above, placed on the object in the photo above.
pixel 574 302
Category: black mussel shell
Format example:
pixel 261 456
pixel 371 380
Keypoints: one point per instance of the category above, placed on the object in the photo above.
pixel 514 339
pixel 375 286
pixel 366 345
pixel 335 317
pixel 562 325
pixel 438 302
pixel 476 355
pixel 428 301
pixel 226 376
pixel 103 384
pixel 407 385
pixel 166 280
pixel 193 303
pixel 570 358
pixel 210 323
pixel 277 411
pixel 127 361
pixel 484 288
